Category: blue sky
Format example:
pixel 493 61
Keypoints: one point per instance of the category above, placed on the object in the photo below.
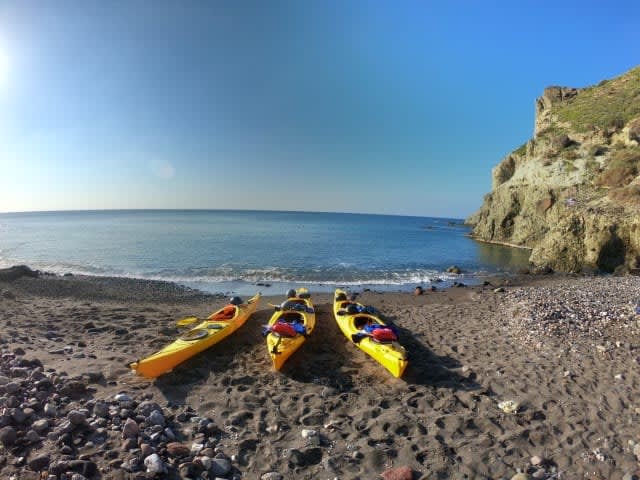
pixel 380 107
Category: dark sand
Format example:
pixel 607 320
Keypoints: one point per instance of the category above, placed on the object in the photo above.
pixel 577 393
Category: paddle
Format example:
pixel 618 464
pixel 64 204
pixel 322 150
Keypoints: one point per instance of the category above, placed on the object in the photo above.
pixel 185 322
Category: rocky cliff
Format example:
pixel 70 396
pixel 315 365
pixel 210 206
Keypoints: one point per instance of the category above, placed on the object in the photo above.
pixel 572 193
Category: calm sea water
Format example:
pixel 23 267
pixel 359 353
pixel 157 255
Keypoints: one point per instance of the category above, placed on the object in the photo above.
pixel 232 251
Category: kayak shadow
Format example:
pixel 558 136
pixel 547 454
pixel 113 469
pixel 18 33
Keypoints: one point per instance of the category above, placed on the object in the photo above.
pixel 428 368
pixel 217 365
pixel 325 358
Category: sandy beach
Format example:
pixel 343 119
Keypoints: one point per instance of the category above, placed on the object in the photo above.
pixel 563 350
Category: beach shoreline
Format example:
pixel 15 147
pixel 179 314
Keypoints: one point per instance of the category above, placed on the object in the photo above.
pixel 565 349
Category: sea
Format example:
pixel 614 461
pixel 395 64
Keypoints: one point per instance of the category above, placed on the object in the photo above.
pixel 241 252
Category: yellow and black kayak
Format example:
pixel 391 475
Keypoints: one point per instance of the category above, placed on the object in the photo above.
pixel 370 333
pixel 289 326
pixel 206 333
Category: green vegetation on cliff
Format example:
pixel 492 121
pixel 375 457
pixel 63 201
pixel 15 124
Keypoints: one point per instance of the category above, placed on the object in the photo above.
pixel 572 193
pixel 611 103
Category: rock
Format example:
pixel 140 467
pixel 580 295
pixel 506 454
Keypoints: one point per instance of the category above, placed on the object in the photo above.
pixel 176 449
pixel 636 448
pixel 130 429
pixel 454 269
pixel 50 410
pixel 146 450
pixel 399 473
pixel 156 418
pixel 509 406
pixel 498 290
pixel 520 476
pixel 129 444
pixel 189 470
pixel 32 437
pixel 73 389
pixel 196 448
pixel 205 461
pixel 12 387
pixel 76 417
pixel 84 467
pixel 15 272
pixel 271 476
pixel 418 290
pixel 155 464
pixel 220 466
pixel 147 407
pixel 41 425
pixel 536 460
pixel 296 458
pixel 8 436
pixel 122 397
pixel 41 462
pixel 308 433
pixel 328 392
pixel 539 474
pixel 101 409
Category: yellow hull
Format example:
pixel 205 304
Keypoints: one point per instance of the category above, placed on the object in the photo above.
pixel 391 356
pixel 280 348
pixel 201 337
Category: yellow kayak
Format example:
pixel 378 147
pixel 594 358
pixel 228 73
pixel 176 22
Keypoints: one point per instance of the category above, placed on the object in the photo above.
pixel 216 327
pixel 369 333
pixel 289 326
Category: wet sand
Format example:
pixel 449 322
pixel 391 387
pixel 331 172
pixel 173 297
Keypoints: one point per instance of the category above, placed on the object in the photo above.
pixel 576 390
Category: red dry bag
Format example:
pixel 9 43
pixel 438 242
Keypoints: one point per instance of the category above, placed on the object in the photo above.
pixel 284 329
pixel 384 335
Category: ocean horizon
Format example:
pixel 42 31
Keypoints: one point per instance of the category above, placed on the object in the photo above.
pixel 241 251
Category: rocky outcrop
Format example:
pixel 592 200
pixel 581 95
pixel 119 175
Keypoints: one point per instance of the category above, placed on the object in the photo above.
pixel 15 272
pixel 571 194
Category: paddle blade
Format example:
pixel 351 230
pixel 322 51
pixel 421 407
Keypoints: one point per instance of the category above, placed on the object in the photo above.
pixel 185 322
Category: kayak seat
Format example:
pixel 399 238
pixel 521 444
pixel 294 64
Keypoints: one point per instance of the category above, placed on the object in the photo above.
pixel 226 313
pixel 360 321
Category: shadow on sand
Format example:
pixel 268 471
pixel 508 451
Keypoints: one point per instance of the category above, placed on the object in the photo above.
pixel 326 358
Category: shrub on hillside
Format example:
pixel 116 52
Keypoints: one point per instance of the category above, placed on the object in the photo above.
pixel 634 130
pixel 622 168
pixel 628 196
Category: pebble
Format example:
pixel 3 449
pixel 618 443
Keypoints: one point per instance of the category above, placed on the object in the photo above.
pixel 536 460
pixel 176 449
pixel 50 410
pixel 399 473
pixel 584 306
pixel 155 464
pixel 271 476
pixel 636 451
pixel 40 462
pixel 520 476
pixel 130 429
pixel 123 397
pixel 156 418
pixel 220 466
pixel 8 436
pixel 308 433
pixel 76 417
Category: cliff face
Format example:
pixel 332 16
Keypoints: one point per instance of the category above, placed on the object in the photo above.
pixel 572 193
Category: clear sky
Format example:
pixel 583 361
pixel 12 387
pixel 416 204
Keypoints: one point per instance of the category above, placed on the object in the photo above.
pixel 381 107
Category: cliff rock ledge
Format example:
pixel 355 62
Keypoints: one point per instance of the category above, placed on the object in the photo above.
pixel 572 193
